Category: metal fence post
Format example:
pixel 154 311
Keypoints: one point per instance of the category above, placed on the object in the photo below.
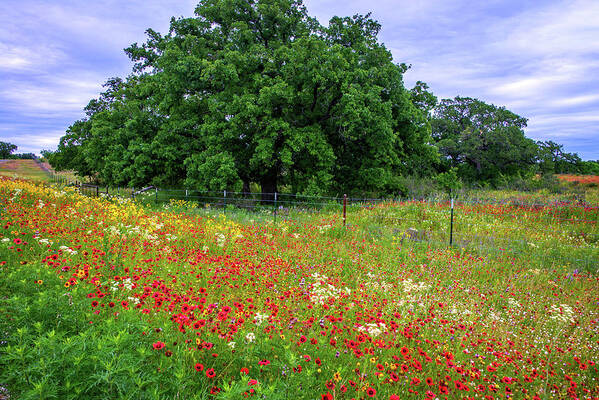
pixel 451 225
pixel 225 201
pixel 97 191
pixel 275 205
pixel 344 208
pixel 156 195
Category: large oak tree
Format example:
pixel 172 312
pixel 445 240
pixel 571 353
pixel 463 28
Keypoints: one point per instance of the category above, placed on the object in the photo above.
pixel 256 91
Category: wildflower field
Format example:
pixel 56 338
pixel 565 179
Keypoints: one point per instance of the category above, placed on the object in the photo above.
pixel 110 298
pixel 588 179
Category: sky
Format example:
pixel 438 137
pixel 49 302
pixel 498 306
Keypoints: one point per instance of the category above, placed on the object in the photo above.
pixel 538 58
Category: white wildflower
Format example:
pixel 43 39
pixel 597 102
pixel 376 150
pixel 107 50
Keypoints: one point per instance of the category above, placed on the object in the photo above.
pixel 220 239
pixel 260 318
pixel 513 303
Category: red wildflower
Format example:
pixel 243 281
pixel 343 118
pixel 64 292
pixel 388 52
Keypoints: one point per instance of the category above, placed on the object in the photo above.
pixel 158 345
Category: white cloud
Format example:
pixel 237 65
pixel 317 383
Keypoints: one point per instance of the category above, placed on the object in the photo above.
pixel 535 83
pixel 575 100
pixel 13 57
pixel 31 142
pixel 60 95
pixel 19 58
pixel 555 47
pixel 553 119
pixel 565 28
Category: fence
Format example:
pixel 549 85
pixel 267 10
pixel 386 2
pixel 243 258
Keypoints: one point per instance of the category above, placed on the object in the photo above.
pixel 446 225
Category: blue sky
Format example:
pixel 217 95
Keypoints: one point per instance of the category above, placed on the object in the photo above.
pixel 538 58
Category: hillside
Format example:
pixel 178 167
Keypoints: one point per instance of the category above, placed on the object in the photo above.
pixel 27 169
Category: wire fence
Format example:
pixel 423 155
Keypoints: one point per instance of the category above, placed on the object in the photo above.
pixel 437 221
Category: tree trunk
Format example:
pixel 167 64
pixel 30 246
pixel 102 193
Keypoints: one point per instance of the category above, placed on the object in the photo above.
pixel 479 167
pixel 268 186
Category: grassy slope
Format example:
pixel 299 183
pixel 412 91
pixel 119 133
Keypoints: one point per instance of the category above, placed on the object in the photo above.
pixel 26 169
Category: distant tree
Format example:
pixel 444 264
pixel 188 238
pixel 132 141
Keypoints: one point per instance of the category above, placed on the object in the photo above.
pixel 257 92
pixel 482 140
pixel 448 181
pixel 553 159
pixel 6 149
pixel 23 156
pixel 589 167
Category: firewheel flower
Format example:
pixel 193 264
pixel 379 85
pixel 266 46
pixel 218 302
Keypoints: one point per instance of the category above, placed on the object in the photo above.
pixel 158 345
pixel 210 373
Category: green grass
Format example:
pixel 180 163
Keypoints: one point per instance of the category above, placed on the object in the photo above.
pixel 23 169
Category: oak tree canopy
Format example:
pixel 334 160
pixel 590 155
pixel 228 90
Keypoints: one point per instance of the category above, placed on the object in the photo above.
pixel 256 91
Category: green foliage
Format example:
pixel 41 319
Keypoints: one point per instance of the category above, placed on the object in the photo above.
pixel 422 98
pixel 22 156
pixel 6 149
pixel 553 159
pixel 482 140
pixel 56 348
pixel 532 183
pixel 256 92
pixel 589 167
pixel 449 181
